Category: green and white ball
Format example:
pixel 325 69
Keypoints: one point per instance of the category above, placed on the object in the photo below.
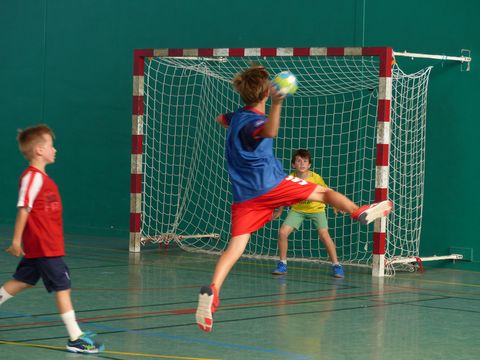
pixel 286 83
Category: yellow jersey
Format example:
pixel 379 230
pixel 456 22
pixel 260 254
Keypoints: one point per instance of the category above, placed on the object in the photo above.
pixel 308 206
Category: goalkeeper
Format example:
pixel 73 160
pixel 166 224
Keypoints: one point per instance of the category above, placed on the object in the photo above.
pixel 312 210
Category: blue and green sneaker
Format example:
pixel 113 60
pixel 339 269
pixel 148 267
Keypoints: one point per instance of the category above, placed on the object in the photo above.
pixel 85 344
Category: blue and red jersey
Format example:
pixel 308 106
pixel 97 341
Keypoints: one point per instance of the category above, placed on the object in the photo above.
pixel 252 167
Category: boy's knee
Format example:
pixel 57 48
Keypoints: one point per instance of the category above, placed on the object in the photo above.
pixel 322 232
pixel 13 287
pixel 284 232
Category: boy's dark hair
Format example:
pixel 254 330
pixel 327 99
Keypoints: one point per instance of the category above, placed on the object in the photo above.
pixel 31 137
pixel 252 84
pixel 303 153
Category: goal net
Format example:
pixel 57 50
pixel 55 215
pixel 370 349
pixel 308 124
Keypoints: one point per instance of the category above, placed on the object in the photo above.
pixel 185 191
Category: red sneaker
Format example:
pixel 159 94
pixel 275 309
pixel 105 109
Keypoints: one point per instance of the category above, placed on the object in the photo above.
pixel 368 213
pixel 208 302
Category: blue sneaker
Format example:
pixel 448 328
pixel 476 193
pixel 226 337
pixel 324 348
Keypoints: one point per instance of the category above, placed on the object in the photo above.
pixel 337 271
pixel 85 344
pixel 281 269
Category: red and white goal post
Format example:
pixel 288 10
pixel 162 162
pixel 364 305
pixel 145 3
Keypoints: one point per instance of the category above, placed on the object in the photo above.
pixel 362 118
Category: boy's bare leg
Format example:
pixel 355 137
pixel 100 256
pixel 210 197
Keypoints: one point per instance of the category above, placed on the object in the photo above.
pixel 64 301
pixel 13 287
pixel 337 269
pixel 235 249
pixel 284 232
pixel 208 299
pixel 333 198
pixel 329 245
pixel 365 214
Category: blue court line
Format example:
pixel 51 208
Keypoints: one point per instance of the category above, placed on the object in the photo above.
pixel 170 337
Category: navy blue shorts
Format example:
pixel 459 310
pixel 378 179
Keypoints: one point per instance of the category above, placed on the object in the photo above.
pixel 53 271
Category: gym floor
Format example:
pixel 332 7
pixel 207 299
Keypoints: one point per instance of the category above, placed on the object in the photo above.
pixel 142 306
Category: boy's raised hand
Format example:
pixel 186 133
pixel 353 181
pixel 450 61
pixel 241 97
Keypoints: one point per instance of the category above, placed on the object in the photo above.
pixel 277 97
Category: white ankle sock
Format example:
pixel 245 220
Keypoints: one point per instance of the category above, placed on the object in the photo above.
pixel 71 324
pixel 284 261
pixel 4 295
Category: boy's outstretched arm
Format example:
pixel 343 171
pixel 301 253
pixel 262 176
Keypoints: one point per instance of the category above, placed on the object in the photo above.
pixel 270 129
pixel 16 248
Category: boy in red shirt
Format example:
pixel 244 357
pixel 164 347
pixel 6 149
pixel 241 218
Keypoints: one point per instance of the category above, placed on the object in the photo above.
pixel 38 236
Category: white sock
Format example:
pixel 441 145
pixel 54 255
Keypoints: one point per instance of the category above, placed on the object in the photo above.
pixel 71 324
pixel 283 261
pixel 4 295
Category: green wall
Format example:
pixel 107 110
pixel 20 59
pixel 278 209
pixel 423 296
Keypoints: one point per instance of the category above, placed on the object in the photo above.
pixel 69 64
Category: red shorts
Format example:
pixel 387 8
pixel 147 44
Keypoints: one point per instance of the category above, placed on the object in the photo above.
pixel 250 215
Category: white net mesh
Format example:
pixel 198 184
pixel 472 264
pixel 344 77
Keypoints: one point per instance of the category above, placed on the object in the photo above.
pixel 186 191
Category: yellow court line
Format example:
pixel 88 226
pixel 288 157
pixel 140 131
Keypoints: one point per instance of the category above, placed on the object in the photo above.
pixel 107 351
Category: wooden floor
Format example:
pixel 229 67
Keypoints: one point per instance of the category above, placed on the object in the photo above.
pixel 142 306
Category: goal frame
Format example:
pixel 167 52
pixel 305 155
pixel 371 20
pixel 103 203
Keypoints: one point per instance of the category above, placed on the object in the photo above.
pixel 385 57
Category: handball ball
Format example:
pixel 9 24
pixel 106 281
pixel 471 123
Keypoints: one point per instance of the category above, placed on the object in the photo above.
pixel 286 83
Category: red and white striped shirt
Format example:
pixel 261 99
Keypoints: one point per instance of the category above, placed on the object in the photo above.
pixel 43 233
